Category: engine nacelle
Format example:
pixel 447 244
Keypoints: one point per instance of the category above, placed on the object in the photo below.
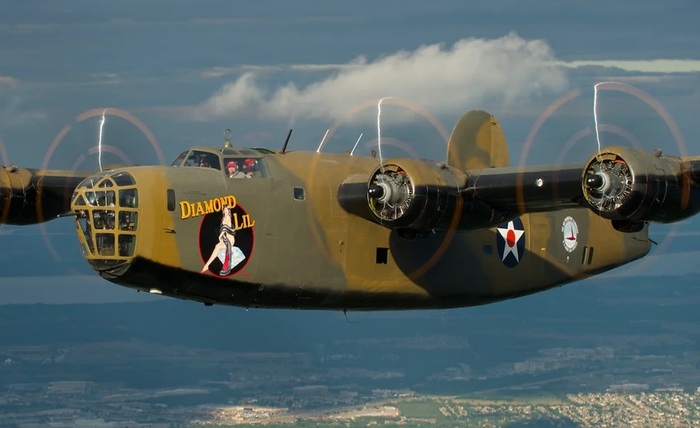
pixel 29 196
pixel 622 183
pixel 414 195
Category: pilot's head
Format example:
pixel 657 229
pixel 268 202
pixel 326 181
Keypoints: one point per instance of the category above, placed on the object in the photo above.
pixel 232 167
pixel 249 165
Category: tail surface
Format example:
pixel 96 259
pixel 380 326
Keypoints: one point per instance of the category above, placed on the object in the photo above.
pixel 477 142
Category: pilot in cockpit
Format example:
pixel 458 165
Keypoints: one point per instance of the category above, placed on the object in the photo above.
pixel 207 160
pixel 250 168
pixel 204 163
pixel 233 171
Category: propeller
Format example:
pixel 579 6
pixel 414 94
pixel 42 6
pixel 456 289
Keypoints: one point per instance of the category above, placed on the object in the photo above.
pixel 96 140
pixel 99 136
pixel 613 104
pixel 403 131
pixel 394 127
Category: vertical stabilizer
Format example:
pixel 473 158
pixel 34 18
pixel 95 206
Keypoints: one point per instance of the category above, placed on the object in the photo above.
pixel 477 141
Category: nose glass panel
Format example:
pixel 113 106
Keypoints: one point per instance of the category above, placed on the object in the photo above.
pixel 106 213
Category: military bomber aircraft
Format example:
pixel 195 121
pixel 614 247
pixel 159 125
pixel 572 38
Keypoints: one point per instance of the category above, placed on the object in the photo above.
pixel 293 229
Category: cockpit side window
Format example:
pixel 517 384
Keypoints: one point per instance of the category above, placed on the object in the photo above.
pixel 240 167
pixel 181 157
pixel 203 160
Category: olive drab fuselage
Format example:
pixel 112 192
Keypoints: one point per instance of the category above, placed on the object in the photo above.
pixel 291 244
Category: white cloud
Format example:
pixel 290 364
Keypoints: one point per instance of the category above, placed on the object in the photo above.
pixel 644 66
pixel 234 97
pixel 8 80
pixel 465 75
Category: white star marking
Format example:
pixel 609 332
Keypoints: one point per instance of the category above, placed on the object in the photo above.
pixel 511 249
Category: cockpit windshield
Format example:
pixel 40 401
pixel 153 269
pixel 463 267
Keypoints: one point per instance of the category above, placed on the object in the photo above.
pixel 180 158
pixel 235 163
pixel 203 159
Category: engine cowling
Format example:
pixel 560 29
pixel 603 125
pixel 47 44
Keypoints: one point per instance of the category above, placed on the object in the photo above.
pixel 622 183
pixel 414 195
pixel 409 196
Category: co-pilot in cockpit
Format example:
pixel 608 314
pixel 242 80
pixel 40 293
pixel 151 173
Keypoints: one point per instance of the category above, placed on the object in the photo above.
pixel 242 167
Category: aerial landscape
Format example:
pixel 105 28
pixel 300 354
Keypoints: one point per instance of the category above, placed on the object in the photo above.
pixel 138 83
pixel 538 360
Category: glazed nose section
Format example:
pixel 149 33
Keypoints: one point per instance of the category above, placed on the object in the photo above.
pixel 106 208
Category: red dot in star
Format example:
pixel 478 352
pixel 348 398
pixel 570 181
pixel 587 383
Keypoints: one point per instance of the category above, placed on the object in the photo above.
pixel 510 238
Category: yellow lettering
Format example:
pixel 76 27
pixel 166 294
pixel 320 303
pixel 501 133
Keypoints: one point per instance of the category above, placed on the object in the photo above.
pixel 195 209
pixel 208 209
pixel 247 221
pixel 185 210
pixel 200 209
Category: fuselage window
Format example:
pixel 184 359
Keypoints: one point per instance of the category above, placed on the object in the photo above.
pixel 299 194
pixel 382 256
pixel 171 200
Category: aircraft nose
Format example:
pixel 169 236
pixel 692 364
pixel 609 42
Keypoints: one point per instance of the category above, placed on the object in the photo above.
pixel 106 214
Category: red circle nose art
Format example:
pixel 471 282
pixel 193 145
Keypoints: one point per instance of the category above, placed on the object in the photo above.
pixel 510 238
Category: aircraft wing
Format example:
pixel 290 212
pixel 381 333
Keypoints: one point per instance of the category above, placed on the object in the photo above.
pixel 29 196
pixel 623 184
pixel 534 189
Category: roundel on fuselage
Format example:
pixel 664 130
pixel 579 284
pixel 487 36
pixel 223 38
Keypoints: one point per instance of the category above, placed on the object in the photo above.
pixel 510 241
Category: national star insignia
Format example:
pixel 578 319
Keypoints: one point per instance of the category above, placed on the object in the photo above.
pixel 511 235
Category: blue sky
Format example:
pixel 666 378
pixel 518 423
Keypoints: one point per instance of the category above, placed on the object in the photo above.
pixel 190 69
